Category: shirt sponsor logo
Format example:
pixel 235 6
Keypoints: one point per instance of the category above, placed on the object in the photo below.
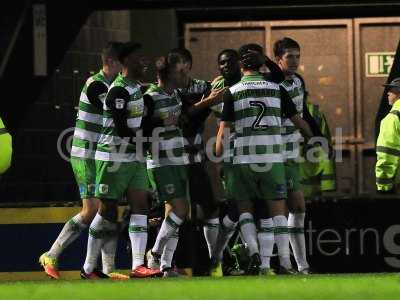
pixel 281 189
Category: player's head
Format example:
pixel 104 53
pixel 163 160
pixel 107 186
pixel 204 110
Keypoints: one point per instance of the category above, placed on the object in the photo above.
pixel 246 49
pixel 287 55
pixel 393 91
pixel 171 69
pixel 133 60
pixel 228 63
pixel 186 56
pixel 109 57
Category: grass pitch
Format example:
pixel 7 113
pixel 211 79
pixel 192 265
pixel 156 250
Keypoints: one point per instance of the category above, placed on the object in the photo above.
pixel 324 287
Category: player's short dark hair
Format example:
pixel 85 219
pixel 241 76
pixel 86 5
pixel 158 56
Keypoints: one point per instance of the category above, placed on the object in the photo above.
pixel 111 50
pixel 232 52
pixel 165 64
pixel 280 46
pixel 128 48
pixel 249 47
pixel 243 50
pixel 185 54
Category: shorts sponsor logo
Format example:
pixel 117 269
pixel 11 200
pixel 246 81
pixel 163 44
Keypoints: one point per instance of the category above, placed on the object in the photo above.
pixel 280 189
pixel 170 189
pixel 82 188
pixel 103 188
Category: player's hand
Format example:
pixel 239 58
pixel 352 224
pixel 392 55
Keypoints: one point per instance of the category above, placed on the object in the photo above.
pixel 216 79
pixel 216 95
pixel 155 222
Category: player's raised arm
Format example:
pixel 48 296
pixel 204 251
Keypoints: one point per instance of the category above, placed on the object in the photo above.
pixel 96 92
pixel 214 98
pixel 308 127
pixel 116 101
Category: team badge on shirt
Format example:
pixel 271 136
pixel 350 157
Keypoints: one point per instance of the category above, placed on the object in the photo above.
pixel 119 103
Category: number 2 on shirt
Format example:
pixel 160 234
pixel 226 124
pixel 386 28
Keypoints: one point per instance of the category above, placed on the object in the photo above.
pixel 256 124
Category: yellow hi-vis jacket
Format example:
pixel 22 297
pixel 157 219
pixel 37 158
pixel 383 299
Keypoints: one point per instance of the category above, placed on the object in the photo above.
pixel 388 150
pixel 5 148
pixel 318 177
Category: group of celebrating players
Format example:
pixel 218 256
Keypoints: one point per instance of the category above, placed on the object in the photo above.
pixel 130 137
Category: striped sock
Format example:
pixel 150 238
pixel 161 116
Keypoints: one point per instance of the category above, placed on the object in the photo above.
pixel 249 232
pixel 108 254
pixel 266 241
pixel 170 224
pixel 297 239
pixel 169 250
pixel 138 237
pixel 210 229
pixel 70 232
pixel 99 231
pixel 226 230
pixel 282 241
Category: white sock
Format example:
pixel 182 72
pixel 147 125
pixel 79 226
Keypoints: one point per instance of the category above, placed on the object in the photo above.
pixel 282 241
pixel 297 239
pixel 138 236
pixel 170 224
pixel 249 232
pixel 71 230
pixel 99 231
pixel 210 229
pixel 169 250
pixel 226 230
pixel 108 254
pixel 266 241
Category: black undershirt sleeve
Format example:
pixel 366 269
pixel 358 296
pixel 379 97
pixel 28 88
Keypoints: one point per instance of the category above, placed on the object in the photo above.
pixel 311 122
pixel 147 124
pixel 95 91
pixel 228 111
pixel 276 75
pixel 288 108
pixel 117 101
pixel 149 121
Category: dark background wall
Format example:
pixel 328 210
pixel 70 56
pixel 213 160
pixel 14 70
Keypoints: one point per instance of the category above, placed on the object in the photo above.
pixel 38 172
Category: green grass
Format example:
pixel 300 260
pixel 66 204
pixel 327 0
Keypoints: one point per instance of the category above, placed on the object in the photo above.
pixel 324 287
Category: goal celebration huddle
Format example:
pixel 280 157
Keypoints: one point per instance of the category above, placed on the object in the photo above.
pixel 133 140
